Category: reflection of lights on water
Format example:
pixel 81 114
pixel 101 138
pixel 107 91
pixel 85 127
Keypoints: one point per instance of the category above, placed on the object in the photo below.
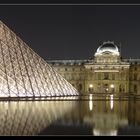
pixel 90 105
pixel 48 98
pixel 111 101
pixel 104 133
pixel 38 115
pixel 111 97
pixel 90 96
pixel 90 102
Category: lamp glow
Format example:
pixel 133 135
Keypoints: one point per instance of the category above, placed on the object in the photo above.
pixel 91 86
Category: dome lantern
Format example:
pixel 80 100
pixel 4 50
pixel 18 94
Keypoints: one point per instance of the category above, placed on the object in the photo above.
pixel 107 47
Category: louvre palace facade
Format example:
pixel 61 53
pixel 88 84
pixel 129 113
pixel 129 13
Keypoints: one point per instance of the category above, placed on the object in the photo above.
pixel 107 72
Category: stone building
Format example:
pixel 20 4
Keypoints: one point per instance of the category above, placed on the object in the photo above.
pixel 106 72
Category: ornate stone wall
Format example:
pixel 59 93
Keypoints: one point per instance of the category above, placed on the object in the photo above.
pixel 106 72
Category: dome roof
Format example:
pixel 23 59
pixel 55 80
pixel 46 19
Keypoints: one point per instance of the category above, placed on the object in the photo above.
pixel 108 47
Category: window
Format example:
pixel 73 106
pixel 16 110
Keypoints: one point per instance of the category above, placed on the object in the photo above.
pixel 135 88
pixel 66 69
pixel 120 88
pixel 135 68
pixel 113 76
pixel 106 76
pixel 99 76
pixel 135 76
pixel 80 87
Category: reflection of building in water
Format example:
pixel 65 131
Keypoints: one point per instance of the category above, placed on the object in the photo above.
pixel 23 73
pixel 107 72
pixel 134 112
pixel 105 117
pixel 30 118
pixel 105 124
pixel 102 118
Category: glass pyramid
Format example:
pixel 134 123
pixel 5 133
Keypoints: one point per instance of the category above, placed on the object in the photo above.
pixel 23 73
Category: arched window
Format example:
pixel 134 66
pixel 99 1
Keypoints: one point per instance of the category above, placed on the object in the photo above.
pixel 106 76
pixel 99 76
pixel 80 87
pixel 135 88
pixel 113 76
pixel 135 76
pixel 135 68
pixel 120 88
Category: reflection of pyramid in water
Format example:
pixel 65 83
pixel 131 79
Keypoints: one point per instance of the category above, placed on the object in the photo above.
pixel 30 118
pixel 23 73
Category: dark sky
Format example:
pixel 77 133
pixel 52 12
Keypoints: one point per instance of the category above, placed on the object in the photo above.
pixel 74 32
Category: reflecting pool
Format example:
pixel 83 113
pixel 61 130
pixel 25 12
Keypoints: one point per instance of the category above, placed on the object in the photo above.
pixel 70 117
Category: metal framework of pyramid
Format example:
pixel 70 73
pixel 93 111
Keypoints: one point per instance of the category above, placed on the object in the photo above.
pixel 23 73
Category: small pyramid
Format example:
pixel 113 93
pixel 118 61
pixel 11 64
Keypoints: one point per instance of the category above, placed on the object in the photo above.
pixel 23 73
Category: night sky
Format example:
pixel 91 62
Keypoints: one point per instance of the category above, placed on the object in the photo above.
pixel 74 31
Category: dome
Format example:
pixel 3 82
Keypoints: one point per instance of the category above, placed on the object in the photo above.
pixel 108 47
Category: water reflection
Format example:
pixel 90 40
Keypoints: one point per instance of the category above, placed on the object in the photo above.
pixel 110 117
pixel 101 117
pixel 30 117
pixel 91 117
pixel 106 116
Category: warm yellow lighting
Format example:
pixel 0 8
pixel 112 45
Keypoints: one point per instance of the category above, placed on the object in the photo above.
pixel 111 101
pixel 90 96
pixel 33 77
pixel 90 105
pixel 90 102
pixel 112 86
pixel 91 86
pixel 106 89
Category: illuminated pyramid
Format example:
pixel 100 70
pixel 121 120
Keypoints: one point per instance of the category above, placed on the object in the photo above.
pixel 23 73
